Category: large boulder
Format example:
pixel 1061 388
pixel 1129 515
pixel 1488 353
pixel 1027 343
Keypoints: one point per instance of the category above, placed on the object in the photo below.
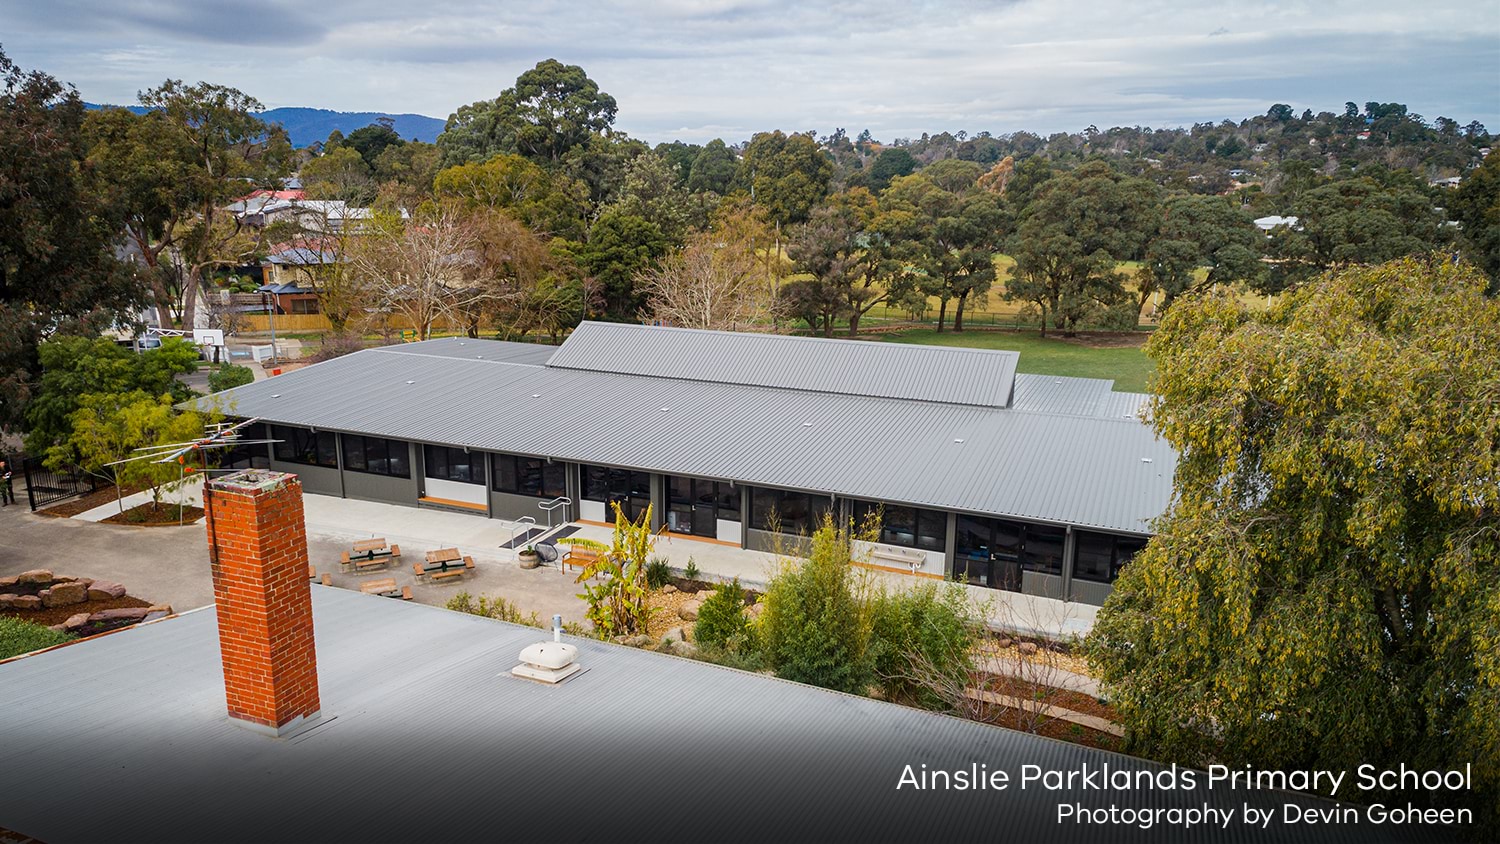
pixel 676 634
pixel 26 602
pixel 75 621
pixel 7 582
pixel 105 590
pixel 689 610
pixel 65 594
pixel 35 576
pixel 5 600
pixel 1027 648
pixel 683 649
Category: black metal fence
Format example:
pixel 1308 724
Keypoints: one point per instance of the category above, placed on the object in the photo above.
pixel 44 486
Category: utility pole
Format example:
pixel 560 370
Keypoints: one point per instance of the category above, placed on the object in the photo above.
pixel 270 301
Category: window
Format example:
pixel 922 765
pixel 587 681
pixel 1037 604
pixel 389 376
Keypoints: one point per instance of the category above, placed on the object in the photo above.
pixel 1099 557
pixel 247 455
pixel 304 305
pixel 530 476
pixel 796 512
pixel 1042 550
pixel 631 489
pixel 301 445
pixel 376 456
pixel 908 527
pixel 453 464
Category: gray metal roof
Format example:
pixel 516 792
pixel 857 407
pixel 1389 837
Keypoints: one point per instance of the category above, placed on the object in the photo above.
pixel 426 737
pixel 852 367
pixel 1089 471
pixel 531 354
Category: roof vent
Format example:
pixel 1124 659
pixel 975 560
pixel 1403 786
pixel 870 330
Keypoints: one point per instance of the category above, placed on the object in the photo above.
pixel 275 395
pixel 549 662
pixel 411 382
pixel 807 424
pixel 1145 460
pixel 959 441
pixel 666 410
pixel 536 395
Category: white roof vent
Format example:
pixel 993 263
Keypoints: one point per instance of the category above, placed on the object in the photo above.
pixel 549 662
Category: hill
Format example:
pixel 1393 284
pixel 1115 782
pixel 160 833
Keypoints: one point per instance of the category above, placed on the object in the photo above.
pixel 307 126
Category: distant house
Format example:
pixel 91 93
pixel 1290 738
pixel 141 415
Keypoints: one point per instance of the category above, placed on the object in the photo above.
pixel 1266 224
pixel 1450 182
pixel 289 271
pixel 330 216
pixel 1362 136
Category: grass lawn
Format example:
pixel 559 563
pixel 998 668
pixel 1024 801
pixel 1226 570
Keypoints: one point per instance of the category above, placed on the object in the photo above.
pixel 1127 365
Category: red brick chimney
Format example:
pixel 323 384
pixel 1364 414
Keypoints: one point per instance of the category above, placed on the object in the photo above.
pixel 257 545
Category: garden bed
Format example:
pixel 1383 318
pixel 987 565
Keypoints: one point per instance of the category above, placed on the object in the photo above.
pixel 1051 695
pixel 152 514
pixel 1003 716
pixel 48 616
pixel 84 503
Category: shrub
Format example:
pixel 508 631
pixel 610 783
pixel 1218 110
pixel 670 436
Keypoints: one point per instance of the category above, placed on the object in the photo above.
pixel 228 377
pixel 815 628
pixel 335 346
pixel 657 573
pixel 721 616
pixel 920 643
pixel 691 572
pixel 496 608
pixel 19 637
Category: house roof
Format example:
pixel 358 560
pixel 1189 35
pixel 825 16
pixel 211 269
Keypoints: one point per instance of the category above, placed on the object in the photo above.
pixel 852 367
pixel 424 735
pixel 1066 458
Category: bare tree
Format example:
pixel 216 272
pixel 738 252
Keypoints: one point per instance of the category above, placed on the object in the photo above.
pixel 425 269
pixel 712 282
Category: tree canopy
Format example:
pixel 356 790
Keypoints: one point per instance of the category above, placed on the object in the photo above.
pixel 551 109
pixel 1324 589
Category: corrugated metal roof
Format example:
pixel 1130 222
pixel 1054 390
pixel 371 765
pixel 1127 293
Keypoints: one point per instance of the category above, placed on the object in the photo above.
pixel 426 737
pixel 531 354
pixel 852 367
pixel 1088 471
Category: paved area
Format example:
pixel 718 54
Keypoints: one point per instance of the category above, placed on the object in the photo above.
pixel 171 564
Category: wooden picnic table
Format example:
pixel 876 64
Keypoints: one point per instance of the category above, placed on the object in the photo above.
pixel 385 587
pixel 444 563
pixel 368 553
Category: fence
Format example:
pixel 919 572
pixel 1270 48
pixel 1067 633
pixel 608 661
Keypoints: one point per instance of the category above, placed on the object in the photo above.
pixel 44 486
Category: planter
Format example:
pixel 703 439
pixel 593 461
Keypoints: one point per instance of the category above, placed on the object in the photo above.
pixel 528 559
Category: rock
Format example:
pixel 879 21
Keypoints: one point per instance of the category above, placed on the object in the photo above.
pixel 1005 642
pixel 161 608
pixel 75 621
pixel 684 649
pixel 65 594
pixel 58 627
pixel 105 590
pixel 7 582
pixel 641 641
pixel 34 576
pixel 1027 648
pixel 86 581
pixel 689 610
pixel 676 634
pixel 669 589
pixel 134 613
pixel 26 602
pixel 6 599
pixel 63 578
pixel 755 610
pixel 152 616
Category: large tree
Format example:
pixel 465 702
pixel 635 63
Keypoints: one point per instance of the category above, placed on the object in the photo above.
pixel 786 174
pixel 171 171
pixel 1324 589
pixel 552 109
pixel 57 264
pixel 1476 207
pixel 1198 232
pixel 713 169
pixel 1354 221
pixel 953 234
pixel 715 281
pixel 1073 231
pixel 549 203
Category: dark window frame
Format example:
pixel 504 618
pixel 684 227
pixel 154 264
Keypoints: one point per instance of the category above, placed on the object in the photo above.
pixel 511 473
pixel 305 446
pixel 1120 551
pixel 441 457
pixel 927 529
pixel 811 505
pixel 373 445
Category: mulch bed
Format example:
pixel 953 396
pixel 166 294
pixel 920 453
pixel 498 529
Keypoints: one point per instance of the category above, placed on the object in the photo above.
pixel 1052 696
pixel 1055 728
pixel 85 503
pixel 152 514
pixel 57 615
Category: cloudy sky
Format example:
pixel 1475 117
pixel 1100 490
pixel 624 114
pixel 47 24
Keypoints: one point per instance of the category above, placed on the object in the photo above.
pixel 699 69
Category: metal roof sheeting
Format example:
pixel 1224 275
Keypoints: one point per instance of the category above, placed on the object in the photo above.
pixel 1089 471
pixel 852 367
pixel 425 736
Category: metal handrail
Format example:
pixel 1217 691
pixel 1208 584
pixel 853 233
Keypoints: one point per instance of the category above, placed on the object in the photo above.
pixel 524 520
pixel 549 506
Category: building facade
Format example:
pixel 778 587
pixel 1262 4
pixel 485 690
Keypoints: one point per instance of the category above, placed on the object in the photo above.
pixel 1028 483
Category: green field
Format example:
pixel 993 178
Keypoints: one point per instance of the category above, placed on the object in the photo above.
pixel 1128 366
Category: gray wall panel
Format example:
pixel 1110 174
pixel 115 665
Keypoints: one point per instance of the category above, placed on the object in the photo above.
pixel 1089 592
pixel 317 479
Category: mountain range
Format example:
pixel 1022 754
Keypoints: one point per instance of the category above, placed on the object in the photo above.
pixel 307 126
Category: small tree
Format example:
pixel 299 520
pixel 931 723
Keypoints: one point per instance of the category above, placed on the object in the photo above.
pixel 110 428
pixel 921 641
pixel 617 603
pixel 228 377
pixel 722 616
pixel 815 627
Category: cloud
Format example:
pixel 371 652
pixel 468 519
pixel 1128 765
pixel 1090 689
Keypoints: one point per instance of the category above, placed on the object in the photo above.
pixel 697 69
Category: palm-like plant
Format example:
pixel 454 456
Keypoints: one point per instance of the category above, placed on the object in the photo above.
pixel 617 603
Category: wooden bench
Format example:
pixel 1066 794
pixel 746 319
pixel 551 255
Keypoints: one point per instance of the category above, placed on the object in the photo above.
pixel 383 586
pixel 327 579
pixel 580 557
pixel 312 572
pixel 909 557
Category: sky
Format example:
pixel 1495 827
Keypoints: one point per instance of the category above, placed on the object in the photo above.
pixel 694 70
